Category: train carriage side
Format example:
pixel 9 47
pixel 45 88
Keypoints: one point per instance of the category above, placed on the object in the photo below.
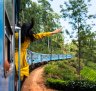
pixel 7 23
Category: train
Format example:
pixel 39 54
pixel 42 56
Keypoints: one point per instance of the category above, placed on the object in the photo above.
pixel 9 16
pixel 34 57
pixel 8 20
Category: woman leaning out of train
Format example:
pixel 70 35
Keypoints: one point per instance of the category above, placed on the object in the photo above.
pixel 27 36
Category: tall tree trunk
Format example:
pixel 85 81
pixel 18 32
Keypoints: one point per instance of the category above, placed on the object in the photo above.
pixel 79 52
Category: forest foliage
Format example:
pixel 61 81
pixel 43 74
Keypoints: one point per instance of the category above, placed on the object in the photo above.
pixel 79 72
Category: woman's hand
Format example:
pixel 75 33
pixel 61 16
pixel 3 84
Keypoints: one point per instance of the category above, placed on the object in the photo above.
pixel 57 31
pixel 6 65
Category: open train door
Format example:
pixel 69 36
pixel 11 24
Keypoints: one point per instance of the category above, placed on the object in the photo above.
pixel 7 26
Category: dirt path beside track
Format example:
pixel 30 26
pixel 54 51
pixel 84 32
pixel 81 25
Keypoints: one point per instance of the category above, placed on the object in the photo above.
pixel 35 81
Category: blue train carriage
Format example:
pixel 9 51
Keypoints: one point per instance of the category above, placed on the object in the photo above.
pixel 7 27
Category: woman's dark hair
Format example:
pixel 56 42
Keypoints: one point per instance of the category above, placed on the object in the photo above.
pixel 26 31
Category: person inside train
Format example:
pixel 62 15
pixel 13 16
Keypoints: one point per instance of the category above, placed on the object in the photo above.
pixel 28 36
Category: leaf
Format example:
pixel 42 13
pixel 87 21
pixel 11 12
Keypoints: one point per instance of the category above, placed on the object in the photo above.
pixel 90 16
pixel 67 32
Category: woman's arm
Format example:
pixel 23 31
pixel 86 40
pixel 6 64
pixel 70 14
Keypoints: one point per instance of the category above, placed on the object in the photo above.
pixel 57 31
pixel 46 34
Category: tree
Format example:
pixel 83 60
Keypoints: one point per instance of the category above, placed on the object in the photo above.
pixel 49 18
pixel 76 11
pixel 45 18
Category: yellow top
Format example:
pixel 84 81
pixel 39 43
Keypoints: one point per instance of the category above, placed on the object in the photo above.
pixel 24 67
pixel 26 43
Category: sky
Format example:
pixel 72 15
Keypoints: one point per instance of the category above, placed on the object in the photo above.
pixel 55 5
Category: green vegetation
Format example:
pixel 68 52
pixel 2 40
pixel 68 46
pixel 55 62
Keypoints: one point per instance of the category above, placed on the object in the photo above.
pixel 89 73
pixel 76 12
pixel 58 69
pixel 45 20
pixel 63 75
pixel 76 85
pixel 79 73
pixel 42 47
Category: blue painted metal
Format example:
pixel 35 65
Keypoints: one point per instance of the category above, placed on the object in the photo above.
pixel 1 31
pixel 3 82
pixel 33 57
pixel 11 79
pixel 6 84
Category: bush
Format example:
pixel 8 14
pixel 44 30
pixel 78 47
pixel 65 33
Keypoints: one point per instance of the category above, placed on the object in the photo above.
pixel 56 83
pixel 91 65
pixel 88 74
pixel 61 71
pixel 77 85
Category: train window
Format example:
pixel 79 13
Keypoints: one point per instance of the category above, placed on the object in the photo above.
pixel 8 45
pixel 7 49
pixel 9 10
pixel 8 41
